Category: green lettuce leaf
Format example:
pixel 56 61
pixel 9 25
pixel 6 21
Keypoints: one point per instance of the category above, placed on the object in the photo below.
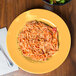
pixel 51 1
pixel 62 1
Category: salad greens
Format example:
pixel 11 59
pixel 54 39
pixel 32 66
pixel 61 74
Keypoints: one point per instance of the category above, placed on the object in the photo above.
pixel 58 1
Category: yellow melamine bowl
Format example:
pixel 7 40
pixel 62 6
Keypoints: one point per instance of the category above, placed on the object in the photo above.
pixel 53 20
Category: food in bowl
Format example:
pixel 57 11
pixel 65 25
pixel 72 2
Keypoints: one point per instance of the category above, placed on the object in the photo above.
pixel 57 1
pixel 38 41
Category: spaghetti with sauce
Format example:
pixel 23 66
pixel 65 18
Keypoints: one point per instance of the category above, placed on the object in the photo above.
pixel 38 41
